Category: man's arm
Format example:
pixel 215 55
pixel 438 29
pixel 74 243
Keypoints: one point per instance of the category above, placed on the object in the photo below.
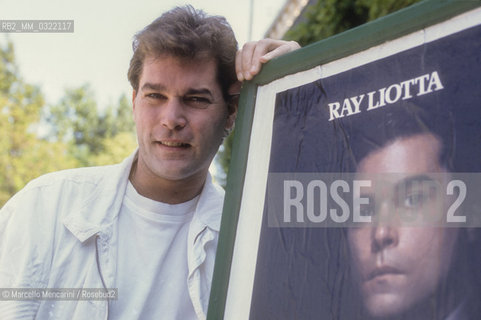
pixel 253 54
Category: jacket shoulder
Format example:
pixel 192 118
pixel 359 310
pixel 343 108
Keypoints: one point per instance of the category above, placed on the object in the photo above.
pixel 87 175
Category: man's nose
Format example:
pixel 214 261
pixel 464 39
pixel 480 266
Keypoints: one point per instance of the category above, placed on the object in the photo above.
pixel 173 114
pixel 385 234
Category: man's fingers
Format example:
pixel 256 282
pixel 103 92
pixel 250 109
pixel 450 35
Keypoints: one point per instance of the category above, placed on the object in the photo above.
pixel 244 61
pixel 249 59
pixel 264 47
pixel 253 54
pixel 238 66
pixel 279 51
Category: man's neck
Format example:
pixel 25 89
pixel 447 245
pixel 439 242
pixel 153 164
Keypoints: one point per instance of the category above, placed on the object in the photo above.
pixel 164 190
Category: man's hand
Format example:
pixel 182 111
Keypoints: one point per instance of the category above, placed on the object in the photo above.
pixel 253 54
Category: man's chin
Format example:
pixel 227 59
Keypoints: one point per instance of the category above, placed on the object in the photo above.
pixel 179 173
pixel 385 306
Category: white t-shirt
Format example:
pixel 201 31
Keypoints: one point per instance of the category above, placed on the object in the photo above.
pixel 152 259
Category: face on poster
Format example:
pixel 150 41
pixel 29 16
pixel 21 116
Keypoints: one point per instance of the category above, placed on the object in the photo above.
pixel 370 206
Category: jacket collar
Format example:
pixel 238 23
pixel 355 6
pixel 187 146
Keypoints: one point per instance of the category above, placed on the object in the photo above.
pixel 209 207
pixel 102 208
pixel 100 211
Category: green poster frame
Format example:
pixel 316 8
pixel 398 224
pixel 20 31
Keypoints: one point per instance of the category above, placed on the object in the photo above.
pixel 390 27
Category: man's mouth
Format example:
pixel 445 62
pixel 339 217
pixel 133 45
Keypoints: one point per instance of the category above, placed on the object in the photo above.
pixel 173 144
pixel 384 270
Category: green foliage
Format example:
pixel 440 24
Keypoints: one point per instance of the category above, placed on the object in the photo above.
pixel 23 156
pixel 8 69
pixel 118 119
pixel 380 8
pixel 78 134
pixel 225 152
pixel 326 18
pixel 77 121
pixel 329 17
pixel 116 148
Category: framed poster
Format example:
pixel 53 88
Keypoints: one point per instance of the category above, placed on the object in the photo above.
pixel 355 182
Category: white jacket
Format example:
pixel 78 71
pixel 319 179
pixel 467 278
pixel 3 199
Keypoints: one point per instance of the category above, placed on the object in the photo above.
pixel 60 231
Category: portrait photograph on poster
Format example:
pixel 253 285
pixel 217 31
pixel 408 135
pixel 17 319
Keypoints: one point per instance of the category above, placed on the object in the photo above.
pixel 356 175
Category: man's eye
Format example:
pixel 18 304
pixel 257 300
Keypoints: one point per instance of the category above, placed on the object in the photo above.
pixel 154 96
pixel 197 102
pixel 415 200
pixel 367 210
pixel 416 195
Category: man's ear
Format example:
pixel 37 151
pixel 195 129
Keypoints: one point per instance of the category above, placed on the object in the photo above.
pixel 235 88
pixel 134 95
pixel 232 104
pixel 231 116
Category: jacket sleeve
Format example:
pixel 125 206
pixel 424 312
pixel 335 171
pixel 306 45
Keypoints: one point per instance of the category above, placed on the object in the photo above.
pixel 25 248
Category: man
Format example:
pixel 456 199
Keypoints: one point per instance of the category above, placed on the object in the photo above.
pixel 149 225
pixel 403 267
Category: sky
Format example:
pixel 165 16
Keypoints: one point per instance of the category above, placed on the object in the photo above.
pixel 99 50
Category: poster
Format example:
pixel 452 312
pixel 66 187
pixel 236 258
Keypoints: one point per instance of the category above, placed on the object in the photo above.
pixel 367 204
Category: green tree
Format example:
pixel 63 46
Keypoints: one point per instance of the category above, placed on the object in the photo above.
pixel 77 121
pixel 225 153
pixel 116 148
pixel 23 156
pixel 119 118
pixel 78 134
pixel 329 17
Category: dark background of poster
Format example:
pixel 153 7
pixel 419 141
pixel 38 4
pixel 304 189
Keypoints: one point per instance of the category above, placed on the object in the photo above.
pixel 303 273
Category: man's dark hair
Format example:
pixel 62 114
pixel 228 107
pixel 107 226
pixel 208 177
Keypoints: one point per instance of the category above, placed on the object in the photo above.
pixel 379 128
pixel 185 32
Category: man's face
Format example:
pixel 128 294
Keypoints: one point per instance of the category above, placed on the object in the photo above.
pixel 399 267
pixel 180 116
